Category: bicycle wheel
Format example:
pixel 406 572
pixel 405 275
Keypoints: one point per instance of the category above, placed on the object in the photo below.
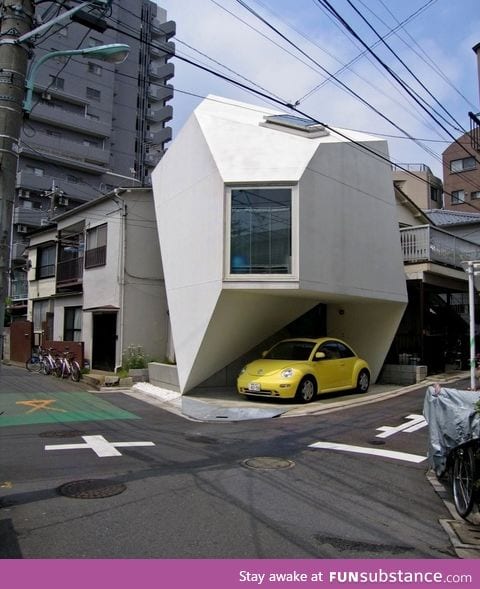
pixel 33 364
pixel 58 371
pixel 45 366
pixel 75 372
pixel 463 480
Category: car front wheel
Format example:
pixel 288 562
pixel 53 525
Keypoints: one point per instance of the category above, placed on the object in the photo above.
pixel 363 381
pixel 307 389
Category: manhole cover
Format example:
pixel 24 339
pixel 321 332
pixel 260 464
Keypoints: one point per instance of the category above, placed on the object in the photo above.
pixel 73 433
pixel 267 463
pixel 91 489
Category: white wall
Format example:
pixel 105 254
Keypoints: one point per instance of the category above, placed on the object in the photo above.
pixel 349 240
pixel 145 307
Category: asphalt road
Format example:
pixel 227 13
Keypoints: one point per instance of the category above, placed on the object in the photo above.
pixel 189 493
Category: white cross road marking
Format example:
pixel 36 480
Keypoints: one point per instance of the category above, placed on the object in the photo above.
pixel 99 445
pixel 373 451
pixel 414 423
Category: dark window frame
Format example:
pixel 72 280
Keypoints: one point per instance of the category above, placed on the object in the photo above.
pixel 44 270
pixel 96 256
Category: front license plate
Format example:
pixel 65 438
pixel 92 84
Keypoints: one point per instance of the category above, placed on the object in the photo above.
pixel 254 387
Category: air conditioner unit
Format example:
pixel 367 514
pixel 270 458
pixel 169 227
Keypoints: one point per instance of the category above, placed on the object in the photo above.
pixel 22 229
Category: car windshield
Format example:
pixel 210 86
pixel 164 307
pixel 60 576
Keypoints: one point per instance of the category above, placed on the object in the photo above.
pixel 291 350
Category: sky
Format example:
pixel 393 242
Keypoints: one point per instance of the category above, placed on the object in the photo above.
pixel 419 106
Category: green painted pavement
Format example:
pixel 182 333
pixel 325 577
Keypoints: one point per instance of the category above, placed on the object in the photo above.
pixel 31 408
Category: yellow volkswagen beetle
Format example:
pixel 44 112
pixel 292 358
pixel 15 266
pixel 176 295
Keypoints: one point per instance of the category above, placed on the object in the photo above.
pixel 301 368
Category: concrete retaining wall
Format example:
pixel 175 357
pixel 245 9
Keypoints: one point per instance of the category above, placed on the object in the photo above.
pixel 164 376
pixel 402 374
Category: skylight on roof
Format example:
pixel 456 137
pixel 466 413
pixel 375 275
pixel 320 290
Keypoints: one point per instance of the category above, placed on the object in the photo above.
pixel 297 125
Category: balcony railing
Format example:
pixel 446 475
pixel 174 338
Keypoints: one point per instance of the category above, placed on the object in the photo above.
pixel 70 272
pixel 19 289
pixel 429 244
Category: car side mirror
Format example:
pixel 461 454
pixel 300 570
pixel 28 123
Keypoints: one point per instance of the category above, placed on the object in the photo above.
pixel 320 356
pixel 264 353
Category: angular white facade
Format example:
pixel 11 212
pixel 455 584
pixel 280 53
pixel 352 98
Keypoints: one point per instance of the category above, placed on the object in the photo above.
pixel 259 222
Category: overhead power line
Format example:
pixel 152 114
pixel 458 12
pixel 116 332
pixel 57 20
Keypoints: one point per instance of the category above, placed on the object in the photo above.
pixel 348 27
pixel 409 70
pixel 276 101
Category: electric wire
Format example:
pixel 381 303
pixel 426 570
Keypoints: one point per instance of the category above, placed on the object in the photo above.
pixel 458 127
pixel 261 94
pixel 422 55
pixel 328 5
pixel 364 52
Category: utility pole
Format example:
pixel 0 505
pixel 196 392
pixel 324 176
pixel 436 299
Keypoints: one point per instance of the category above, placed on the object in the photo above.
pixel 16 19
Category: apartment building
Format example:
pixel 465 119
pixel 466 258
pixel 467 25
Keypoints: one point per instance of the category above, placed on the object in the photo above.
pixel 461 165
pixel 94 125
pixel 421 185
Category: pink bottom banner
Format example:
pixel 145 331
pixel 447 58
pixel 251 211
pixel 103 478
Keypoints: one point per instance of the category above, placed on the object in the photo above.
pixel 238 574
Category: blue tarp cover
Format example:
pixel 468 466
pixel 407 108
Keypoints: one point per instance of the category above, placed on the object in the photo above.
pixel 452 420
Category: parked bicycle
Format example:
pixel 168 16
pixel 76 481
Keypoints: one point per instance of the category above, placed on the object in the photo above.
pixel 42 360
pixel 49 361
pixel 464 473
pixel 67 366
pixel 35 362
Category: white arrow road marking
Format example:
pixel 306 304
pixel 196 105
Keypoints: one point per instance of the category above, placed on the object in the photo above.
pixel 373 451
pixel 99 445
pixel 414 423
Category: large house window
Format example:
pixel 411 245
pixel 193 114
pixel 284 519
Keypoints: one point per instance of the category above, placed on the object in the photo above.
pixel 46 262
pixel 96 252
pixel 467 163
pixel 261 231
pixel 72 324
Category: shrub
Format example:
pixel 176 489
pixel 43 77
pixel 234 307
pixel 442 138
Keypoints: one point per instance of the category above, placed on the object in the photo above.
pixel 134 357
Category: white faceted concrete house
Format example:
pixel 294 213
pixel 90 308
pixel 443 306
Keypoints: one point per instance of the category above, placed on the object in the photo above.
pixel 262 217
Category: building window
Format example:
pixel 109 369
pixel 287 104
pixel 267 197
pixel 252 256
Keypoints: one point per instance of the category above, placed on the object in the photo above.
pixel 41 309
pixel 93 94
pixel 467 163
pixel 56 82
pixel 46 262
pixel 94 68
pixel 261 231
pixel 458 197
pixel 72 324
pixel 35 171
pixel 96 252
pixel 475 195
pixel 435 193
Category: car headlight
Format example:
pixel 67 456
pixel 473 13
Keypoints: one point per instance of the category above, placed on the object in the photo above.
pixel 287 373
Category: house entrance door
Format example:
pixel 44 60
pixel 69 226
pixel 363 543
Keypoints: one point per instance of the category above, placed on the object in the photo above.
pixel 104 341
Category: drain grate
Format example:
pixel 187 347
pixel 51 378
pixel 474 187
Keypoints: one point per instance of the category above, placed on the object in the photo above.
pixel 267 463
pixel 71 433
pixel 91 489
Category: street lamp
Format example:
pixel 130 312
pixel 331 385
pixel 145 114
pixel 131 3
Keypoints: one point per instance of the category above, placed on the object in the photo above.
pixel 113 53
pixel 472 268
